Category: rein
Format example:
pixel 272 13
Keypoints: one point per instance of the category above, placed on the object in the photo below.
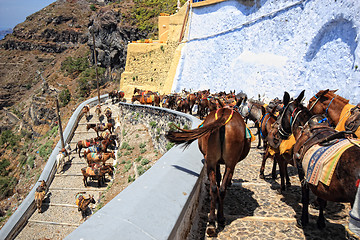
pixel 317 99
pixel 326 111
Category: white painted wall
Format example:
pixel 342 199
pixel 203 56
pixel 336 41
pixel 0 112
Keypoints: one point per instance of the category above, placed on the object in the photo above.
pixel 312 45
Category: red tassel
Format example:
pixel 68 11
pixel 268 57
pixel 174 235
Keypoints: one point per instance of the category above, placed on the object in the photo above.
pixel 357 183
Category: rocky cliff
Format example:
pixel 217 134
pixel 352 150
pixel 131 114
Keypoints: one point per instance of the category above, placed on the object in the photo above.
pixel 31 77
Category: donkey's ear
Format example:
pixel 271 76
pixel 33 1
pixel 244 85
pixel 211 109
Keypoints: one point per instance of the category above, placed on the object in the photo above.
pixel 301 96
pixel 325 92
pixel 238 101
pixel 286 98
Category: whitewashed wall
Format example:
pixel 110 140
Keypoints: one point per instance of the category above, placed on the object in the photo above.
pixel 312 45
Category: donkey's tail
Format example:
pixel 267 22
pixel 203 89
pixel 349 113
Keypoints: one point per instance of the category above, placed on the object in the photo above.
pixel 188 136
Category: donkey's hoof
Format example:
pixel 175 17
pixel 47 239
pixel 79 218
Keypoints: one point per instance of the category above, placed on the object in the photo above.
pixel 211 231
pixel 261 176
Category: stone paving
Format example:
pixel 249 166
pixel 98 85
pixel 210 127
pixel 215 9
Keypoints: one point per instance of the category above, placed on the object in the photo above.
pixel 255 210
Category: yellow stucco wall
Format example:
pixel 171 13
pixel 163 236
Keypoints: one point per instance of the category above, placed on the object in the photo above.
pixel 152 66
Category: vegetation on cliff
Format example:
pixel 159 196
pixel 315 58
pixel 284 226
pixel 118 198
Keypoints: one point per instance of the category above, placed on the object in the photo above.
pixel 50 56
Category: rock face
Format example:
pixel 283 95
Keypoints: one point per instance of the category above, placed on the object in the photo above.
pixel 54 32
pixel 53 29
pixel 67 24
pixel 111 37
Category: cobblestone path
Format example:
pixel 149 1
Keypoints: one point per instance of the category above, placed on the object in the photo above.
pixel 255 210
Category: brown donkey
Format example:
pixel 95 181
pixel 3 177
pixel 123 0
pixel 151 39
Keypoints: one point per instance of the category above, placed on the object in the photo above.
pixel 40 195
pixel 222 140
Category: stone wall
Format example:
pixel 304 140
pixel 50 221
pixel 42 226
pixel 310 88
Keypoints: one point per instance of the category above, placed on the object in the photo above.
pixel 156 119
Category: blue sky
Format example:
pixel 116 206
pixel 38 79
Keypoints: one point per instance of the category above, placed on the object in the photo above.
pixel 13 12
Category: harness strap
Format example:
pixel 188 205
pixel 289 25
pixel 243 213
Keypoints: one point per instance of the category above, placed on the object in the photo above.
pixel 317 99
pixel 292 115
pixel 229 118
pixel 326 111
pixel 261 122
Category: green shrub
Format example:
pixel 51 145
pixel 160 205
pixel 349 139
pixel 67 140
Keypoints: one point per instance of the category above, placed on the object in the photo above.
pixel 169 145
pixel 143 150
pixel 92 7
pixel 22 160
pixel 127 167
pixel 52 131
pixel 83 88
pixel 144 12
pixel 64 97
pixel 131 178
pixel 46 149
pixel 7 185
pixel 3 165
pixel 140 170
pixel 138 159
pixel 144 162
pixel 74 67
pixel 31 161
pixel 124 145
pixel 127 153
pixel 142 145
pixel 152 124
pixel 172 127
pixel 9 138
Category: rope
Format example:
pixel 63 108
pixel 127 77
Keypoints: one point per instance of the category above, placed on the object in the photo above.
pixel 242 24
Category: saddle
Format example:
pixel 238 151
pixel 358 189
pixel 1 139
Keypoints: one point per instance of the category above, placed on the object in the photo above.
pixel 93 170
pixel 79 201
pixel 353 122
pixel 40 195
pixel 320 139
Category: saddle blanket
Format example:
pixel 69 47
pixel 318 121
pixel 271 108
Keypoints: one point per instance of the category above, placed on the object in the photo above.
pixel 319 162
pixel 95 155
pixel 249 134
pixel 79 198
pixel 92 171
pixel 94 149
pixel 86 143
pixel 287 145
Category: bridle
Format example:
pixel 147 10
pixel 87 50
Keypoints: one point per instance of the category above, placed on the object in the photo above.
pixel 282 132
pixel 317 99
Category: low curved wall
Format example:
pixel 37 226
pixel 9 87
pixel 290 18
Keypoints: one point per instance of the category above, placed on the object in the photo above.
pixel 160 204
pixel 19 218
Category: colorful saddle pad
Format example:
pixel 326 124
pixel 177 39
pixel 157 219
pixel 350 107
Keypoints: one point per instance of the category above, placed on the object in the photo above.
pixel 319 162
